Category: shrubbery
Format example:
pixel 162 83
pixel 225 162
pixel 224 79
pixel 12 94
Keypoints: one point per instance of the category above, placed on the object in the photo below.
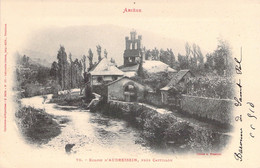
pixel 211 86
pixel 36 124
pixel 166 131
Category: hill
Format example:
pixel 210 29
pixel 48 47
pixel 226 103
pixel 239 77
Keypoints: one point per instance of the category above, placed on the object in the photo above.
pixel 45 43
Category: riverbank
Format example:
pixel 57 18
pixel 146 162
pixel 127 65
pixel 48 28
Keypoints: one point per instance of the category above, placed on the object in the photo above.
pixel 161 129
pixel 166 131
pixel 37 126
pixel 91 132
pixel 66 100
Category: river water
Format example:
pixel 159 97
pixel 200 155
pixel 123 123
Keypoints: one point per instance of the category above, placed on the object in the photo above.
pixel 90 132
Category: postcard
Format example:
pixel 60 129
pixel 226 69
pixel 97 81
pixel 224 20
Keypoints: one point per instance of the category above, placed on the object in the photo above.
pixel 129 83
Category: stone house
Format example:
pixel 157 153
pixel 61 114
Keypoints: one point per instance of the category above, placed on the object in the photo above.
pixel 104 72
pixel 171 93
pixel 125 89
pixel 101 74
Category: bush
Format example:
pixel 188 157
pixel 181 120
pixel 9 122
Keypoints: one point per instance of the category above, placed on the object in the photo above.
pixel 165 131
pixel 211 86
pixel 37 125
pixel 31 90
pixel 55 88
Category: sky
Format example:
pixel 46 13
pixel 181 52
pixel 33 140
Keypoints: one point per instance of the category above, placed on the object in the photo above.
pixel 201 22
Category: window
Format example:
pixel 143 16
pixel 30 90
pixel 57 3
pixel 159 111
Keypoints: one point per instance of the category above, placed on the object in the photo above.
pixel 130 88
pixel 100 79
pixel 114 78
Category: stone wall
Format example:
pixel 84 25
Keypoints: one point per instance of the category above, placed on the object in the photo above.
pixel 168 130
pixel 215 109
pixel 153 98
pixel 116 90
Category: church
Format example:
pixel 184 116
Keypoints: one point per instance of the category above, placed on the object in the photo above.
pixel 133 56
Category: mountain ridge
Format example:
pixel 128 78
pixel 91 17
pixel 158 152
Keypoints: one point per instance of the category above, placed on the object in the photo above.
pixel 77 40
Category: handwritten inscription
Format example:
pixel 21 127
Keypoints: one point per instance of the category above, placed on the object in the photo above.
pixel 238 103
pixel 252 115
pixel 238 66
pixel 239 99
pixel 239 155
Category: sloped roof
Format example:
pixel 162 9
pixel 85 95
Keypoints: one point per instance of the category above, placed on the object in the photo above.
pixel 129 68
pixel 105 67
pixel 156 66
pixel 149 66
pixel 176 79
pixel 146 86
pixel 130 74
pixel 93 67
pixel 117 80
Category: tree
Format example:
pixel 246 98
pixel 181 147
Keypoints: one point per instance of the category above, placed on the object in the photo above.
pixel 140 71
pixel 155 54
pixel 183 61
pixel 112 60
pixel 209 64
pixel 54 70
pixel 76 63
pixel 194 60
pixel 99 52
pixel 71 71
pixel 167 57
pixel 200 59
pixel 25 61
pixel 188 52
pixel 90 58
pixel 147 54
pixel 42 75
pixel 172 58
pixel 80 67
pixel 83 60
pixel 62 64
pixel 222 56
pixel 105 53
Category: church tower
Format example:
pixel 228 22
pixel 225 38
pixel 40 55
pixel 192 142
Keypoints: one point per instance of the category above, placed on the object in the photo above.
pixel 132 54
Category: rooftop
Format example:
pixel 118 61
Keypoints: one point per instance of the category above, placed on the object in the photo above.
pixel 176 79
pixel 105 67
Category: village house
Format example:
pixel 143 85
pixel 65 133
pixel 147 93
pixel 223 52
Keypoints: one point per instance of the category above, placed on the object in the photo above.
pixel 103 73
pixel 171 93
pixel 126 89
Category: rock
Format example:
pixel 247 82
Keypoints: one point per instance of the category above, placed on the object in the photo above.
pixel 68 148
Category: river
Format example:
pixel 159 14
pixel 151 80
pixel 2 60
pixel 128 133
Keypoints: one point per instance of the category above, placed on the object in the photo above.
pixel 90 132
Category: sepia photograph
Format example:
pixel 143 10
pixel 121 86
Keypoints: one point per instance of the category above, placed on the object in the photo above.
pixel 129 84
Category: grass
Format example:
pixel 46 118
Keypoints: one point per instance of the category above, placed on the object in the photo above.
pixel 64 100
pixel 36 125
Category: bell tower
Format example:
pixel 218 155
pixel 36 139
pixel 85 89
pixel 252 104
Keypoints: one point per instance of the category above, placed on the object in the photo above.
pixel 132 54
